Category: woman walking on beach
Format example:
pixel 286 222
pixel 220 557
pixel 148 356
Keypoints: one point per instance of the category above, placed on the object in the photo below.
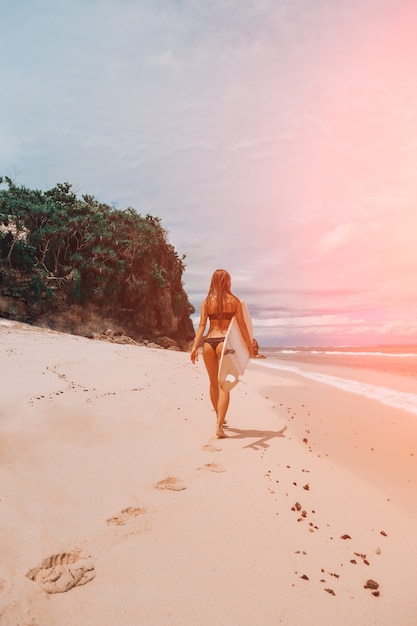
pixel 219 308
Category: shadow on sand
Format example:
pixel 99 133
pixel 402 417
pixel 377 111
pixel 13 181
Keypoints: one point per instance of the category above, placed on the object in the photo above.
pixel 263 437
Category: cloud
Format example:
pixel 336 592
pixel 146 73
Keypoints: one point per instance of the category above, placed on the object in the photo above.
pixel 275 139
pixel 336 238
pixel 315 329
pixel 164 60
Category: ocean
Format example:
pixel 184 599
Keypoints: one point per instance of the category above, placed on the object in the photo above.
pixel 384 373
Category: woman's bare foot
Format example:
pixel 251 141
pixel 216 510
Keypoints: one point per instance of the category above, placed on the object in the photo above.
pixel 221 434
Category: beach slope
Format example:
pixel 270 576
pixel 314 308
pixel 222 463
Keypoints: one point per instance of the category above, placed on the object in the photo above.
pixel 119 506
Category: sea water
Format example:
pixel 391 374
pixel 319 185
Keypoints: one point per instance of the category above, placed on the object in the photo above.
pixel 392 369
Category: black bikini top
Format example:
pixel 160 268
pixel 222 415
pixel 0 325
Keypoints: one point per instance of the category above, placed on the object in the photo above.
pixel 224 316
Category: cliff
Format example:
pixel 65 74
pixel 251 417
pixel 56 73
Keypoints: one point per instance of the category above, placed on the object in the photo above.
pixel 80 266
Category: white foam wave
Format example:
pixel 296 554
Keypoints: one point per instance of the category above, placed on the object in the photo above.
pixel 389 354
pixel 289 351
pixel 348 352
pixel 385 395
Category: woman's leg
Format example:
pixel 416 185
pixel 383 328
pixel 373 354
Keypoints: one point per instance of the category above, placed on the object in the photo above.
pixel 211 362
pixel 218 397
pixel 222 406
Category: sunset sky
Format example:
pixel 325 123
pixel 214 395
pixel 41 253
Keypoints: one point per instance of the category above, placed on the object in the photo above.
pixel 274 138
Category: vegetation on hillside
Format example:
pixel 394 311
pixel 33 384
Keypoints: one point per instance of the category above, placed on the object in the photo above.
pixel 79 259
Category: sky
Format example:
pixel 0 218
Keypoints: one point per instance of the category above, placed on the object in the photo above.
pixel 276 139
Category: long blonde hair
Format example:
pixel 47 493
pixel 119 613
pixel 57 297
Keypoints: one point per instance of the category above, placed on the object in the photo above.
pixel 219 290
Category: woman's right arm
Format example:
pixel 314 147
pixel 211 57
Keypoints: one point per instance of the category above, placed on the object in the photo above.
pixel 200 332
pixel 243 328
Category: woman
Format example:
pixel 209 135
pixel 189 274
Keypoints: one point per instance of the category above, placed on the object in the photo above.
pixel 219 307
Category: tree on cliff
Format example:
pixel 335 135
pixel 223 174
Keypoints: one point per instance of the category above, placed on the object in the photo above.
pixel 59 251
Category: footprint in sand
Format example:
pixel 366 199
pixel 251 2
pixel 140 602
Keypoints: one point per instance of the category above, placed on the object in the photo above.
pixel 213 467
pixel 125 516
pixel 210 447
pixel 172 483
pixel 130 521
pixel 61 572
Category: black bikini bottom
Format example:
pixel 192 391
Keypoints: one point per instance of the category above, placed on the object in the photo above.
pixel 214 342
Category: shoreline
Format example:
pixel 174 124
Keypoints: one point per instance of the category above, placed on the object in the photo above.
pixel 109 452
pixel 363 376
pixel 366 436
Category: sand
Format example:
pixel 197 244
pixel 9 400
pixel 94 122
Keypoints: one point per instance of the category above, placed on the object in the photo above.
pixel 118 505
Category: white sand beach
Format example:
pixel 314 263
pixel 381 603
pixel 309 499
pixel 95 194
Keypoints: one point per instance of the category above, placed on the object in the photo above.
pixel 119 506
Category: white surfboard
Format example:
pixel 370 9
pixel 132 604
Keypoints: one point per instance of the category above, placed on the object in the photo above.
pixel 235 353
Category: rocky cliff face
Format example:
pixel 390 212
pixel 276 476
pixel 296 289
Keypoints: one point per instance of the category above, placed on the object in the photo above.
pixel 166 328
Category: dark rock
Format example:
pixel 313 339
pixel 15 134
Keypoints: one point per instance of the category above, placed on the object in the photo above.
pixel 166 342
pixel 371 584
